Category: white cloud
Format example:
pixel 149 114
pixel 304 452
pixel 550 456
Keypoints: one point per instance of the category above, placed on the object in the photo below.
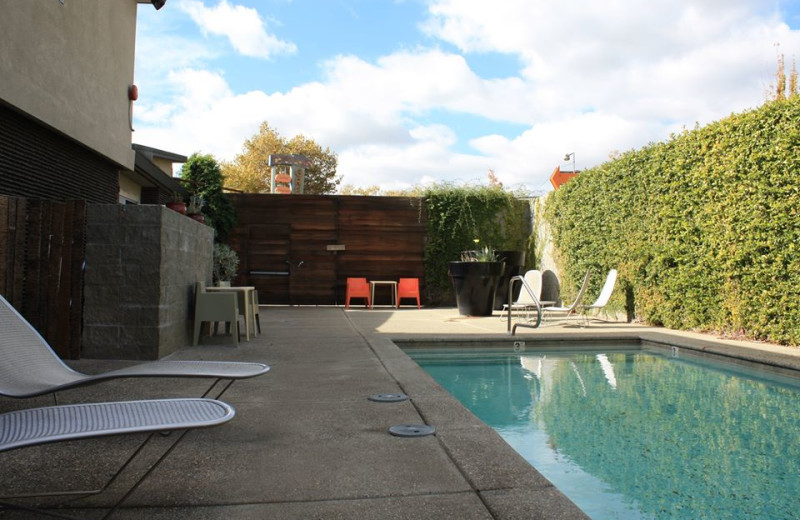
pixel 530 157
pixel 243 27
pixel 594 78
pixel 598 53
pixel 439 134
pixel 418 163
pixel 414 82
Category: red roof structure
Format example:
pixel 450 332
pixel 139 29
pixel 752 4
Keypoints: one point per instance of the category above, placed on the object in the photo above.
pixel 559 178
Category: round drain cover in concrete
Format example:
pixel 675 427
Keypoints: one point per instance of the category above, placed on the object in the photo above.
pixel 388 398
pixel 412 430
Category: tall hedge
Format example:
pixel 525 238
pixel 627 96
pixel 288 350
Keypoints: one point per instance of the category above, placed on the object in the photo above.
pixel 704 228
pixel 457 216
pixel 203 177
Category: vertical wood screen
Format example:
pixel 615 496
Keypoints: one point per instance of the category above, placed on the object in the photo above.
pixel 42 244
pixel 300 249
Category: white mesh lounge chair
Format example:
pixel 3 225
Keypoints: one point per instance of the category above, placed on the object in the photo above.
pixel 569 310
pixel 29 367
pixel 35 426
pixel 605 294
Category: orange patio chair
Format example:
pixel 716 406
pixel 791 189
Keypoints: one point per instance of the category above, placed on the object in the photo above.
pixel 357 288
pixel 408 288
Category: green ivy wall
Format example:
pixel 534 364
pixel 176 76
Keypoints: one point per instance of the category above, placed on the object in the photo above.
pixel 456 216
pixel 704 228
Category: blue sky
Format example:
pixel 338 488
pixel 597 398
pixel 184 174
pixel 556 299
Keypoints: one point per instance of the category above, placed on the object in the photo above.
pixel 409 92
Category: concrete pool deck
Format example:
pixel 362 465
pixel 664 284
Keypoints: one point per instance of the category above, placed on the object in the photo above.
pixel 306 441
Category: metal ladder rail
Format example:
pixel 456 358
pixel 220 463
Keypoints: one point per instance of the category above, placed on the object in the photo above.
pixel 513 330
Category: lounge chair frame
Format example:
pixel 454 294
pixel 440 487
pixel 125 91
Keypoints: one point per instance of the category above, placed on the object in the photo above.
pixel 572 310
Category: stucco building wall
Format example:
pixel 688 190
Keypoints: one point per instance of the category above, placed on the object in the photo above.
pixel 69 66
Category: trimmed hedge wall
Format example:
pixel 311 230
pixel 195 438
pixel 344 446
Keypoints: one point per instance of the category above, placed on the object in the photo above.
pixel 704 228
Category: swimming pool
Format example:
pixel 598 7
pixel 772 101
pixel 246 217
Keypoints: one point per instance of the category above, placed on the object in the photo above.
pixel 639 433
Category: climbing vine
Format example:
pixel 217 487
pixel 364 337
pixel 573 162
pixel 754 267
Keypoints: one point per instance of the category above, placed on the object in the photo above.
pixel 457 216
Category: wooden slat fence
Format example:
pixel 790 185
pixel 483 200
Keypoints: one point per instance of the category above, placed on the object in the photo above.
pixel 42 246
pixel 287 244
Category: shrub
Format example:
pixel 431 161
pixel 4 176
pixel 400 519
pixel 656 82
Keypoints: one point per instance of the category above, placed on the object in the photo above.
pixel 203 178
pixel 225 263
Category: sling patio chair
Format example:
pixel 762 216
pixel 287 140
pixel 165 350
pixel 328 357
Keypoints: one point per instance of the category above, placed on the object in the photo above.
pixel 530 294
pixel 602 299
pixel 571 310
pixel 36 426
pixel 29 367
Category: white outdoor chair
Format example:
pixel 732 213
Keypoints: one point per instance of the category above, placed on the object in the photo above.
pixel 529 294
pixel 527 310
pixel 29 367
pixel 569 311
pixel 605 294
pixel 35 426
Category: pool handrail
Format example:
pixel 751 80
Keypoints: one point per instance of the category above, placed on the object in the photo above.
pixel 525 287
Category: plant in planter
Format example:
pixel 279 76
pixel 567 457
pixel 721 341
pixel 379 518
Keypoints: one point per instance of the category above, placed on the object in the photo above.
pixel 475 279
pixel 485 254
pixel 226 264
pixel 177 204
pixel 195 208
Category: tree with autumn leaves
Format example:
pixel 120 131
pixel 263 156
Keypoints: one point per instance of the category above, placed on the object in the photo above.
pixel 250 172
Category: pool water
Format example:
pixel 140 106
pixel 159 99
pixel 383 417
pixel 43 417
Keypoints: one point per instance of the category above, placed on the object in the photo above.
pixel 639 434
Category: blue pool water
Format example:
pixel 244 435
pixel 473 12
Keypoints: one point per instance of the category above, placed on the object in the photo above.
pixel 639 434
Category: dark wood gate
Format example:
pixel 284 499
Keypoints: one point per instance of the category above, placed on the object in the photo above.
pixel 42 245
pixel 300 249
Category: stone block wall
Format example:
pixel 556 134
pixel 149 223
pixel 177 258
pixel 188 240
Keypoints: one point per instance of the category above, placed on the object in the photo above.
pixel 141 265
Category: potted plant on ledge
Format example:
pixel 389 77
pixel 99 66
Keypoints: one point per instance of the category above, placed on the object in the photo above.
pixel 195 208
pixel 177 204
pixel 474 280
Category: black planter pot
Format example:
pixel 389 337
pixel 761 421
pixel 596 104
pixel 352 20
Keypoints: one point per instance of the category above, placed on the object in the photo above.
pixel 515 263
pixel 475 284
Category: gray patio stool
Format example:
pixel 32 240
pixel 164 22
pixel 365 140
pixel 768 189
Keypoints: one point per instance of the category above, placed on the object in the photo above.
pixel 35 426
pixel 29 367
